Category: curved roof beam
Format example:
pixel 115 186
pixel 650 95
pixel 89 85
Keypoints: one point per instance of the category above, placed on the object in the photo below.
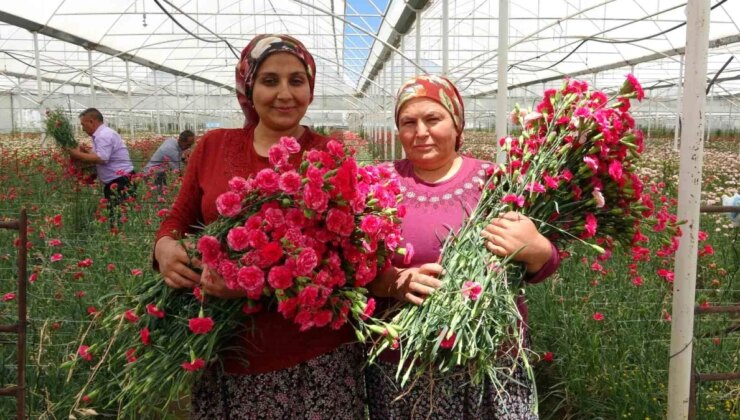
pixel 76 40
pixel 732 39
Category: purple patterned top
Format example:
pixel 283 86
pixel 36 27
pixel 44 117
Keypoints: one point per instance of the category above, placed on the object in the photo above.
pixel 434 208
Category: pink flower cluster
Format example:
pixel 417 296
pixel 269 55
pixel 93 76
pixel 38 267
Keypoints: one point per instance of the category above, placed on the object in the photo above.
pixel 302 235
pixel 573 167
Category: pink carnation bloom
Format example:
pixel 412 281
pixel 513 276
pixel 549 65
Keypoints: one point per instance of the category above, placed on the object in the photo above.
pixel 305 263
pixel 515 199
pixel 409 253
pixel 615 170
pixel 278 155
pixel 590 226
pixel 290 182
pixel 591 162
pixel 210 248
pixel 598 197
pixel 252 280
pixel 267 181
pixel 598 316
pixel 229 204
pixel 290 144
pixel 471 290
pixel 238 238
pixel 239 185
pixel 280 277
pixel 130 316
pixel 56 257
pixel 84 352
pixel 154 311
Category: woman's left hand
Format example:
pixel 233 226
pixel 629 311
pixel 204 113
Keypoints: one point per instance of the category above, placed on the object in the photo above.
pixel 512 232
pixel 213 284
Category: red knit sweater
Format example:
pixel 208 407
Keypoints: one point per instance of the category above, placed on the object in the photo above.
pixel 270 342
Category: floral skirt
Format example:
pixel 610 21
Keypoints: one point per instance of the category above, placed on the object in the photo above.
pixel 330 386
pixel 450 397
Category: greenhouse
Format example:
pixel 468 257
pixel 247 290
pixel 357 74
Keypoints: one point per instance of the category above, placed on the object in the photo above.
pixel 611 127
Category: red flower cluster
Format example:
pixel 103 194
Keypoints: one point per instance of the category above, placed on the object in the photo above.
pixel 301 236
pixel 573 166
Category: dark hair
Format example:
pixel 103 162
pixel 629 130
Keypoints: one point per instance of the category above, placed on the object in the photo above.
pixel 92 113
pixel 185 135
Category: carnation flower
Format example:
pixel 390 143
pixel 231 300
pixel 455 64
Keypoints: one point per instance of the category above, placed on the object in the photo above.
pixel 369 309
pixel 84 352
pixel 238 238
pixel 144 334
pixel 130 316
pixel 195 365
pixel 200 325
pixel 471 290
pixel 280 277
pixel 152 310
pixel 228 204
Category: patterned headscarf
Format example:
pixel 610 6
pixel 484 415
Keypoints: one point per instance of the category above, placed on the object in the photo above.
pixel 254 55
pixel 439 89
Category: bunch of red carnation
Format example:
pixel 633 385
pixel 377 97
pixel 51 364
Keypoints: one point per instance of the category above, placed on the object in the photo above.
pixel 300 237
pixel 301 241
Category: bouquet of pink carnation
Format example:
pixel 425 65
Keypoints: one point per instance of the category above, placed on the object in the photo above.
pixel 301 241
pixel 572 171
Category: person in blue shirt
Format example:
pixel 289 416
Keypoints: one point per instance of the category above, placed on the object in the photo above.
pixel 170 155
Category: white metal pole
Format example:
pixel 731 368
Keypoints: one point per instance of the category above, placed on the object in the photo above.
pixel 391 120
pixel 39 96
pixel 177 101
pixel 92 78
pixel 689 195
pixel 418 38
pixel 128 101
pixel 679 87
pixel 403 78
pixel 650 116
pixel 710 115
pixel 503 63
pixel 383 124
pixel 195 118
pixel 156 102
pixel 445 35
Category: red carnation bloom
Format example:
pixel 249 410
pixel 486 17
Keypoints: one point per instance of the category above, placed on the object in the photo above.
pixel 200 325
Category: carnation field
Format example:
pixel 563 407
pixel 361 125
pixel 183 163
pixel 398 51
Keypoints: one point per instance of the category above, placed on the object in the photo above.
pixel 601 328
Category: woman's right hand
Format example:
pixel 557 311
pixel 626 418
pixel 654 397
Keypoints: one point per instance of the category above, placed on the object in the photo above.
pixel 411 285
pixel 174 264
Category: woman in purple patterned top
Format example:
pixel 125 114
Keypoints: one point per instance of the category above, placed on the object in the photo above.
pixel 440 188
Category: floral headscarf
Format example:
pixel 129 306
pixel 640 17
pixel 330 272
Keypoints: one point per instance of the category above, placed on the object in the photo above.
pixel 439 89
pixel 254 54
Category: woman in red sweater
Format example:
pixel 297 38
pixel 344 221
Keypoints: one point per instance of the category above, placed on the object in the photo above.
pixel 275 371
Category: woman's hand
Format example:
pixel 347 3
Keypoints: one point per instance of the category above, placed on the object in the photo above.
pixel 214 285
pixel 514 232
pixel 174 264
pixel 411 285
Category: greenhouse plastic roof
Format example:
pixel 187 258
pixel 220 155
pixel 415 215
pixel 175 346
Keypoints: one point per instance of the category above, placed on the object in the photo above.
pixel 361 46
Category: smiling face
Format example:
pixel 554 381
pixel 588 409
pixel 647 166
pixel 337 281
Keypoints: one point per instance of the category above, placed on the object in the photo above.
pixel 281 93
pixel 427 133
